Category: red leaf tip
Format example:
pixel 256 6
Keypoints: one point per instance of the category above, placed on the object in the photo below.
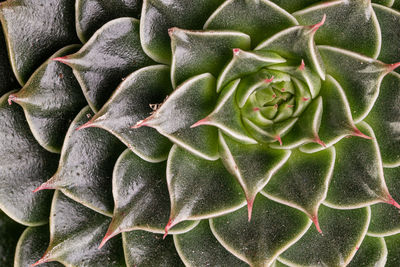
pixel 314 219
pixel 43 186
pixel 63 60
pixel 279 139
pixel 393 202
pixel 11 98
pixel 236 51
pixel 315 27
pixel 85 125
pixel 269 80
pixel 392 67
pixel 302 65
pixel 167 227
pixel 107 237
pixel 205 121
pixel 250 203
pixel 142 123
pixel 41 261
pixel 318 140
pixel 357 132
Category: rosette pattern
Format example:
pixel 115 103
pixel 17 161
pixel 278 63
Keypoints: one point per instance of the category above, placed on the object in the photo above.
pixel 200 133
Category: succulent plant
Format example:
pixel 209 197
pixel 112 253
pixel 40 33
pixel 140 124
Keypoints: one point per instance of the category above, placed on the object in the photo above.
pixel 200 133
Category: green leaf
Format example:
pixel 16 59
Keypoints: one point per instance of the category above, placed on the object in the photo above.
pixel 196 194
pixel 148 249
pixel 373 252
pixel 189 103
pixel 110 55
pixel 24 165
pixel 274 228
pixel 51 99
pixel 236 14
pixel 86 164
pixel 92 14
pixel 245 63
pixel 141 198
pixel 297 43
pixel 336 121
pixel 9 232
pixel 31 246
pixel 387 3
pixel 40 20
pixel 302 182
pixel 306 128
pixel 8 81
pixel 358 175
pixel 344 231
pixel 350 24
pixel 197 52
pixel 385 219
pixel 200 248
pixel 75 233
pixel 389 19
pixel 384 118
pixel 359 76
pixel 158 16
pixel 227 116
pixel 293 5
pixel 252 165
pixel 132 102
pixel 393 246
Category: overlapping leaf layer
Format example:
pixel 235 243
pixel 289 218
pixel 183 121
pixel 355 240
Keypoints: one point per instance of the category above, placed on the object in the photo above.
pixel 199 133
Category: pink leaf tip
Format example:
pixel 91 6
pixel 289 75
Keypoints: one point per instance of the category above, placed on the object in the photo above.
pixel 250 203
pixel 63 60
pixel 205 121
pixel 393 202
pixel 142 123
pixel 171 31
pixel 11 98
pixel 85 125
pixel 269 80
pixel 167 227
pixel 43 186
pixel 318 140
pixel 302 65
pixel 315 27
pixel 392 67
pixel 314 219
pixel 41 261
pixel 305 99
pixel 279 139
pixel 107 237
pixel 236 51
pixel 358 133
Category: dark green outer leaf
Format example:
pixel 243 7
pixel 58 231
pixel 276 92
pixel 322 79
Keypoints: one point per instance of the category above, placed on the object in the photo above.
pixel 393 246
pixel 158 16
pixel 24 165
pixel 8 81
pixel 32 245
pixel 9 232
pixel 47 31
pixel 148 249
pixel 92 14
pixel 131 103
pixel 86 165
pixel 371 253
pixel 110 55
pixel 51 98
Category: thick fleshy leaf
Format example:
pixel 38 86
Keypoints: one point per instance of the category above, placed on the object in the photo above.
pixel 8 81
pixel 359 76
pixel 388 3
pixel 9 232
pixel 148 249
pixel 302 182
pixel 24 165
pixel 51 99
pixel 393 246
pixel 110 55
pixel 92 14
pixel 389 19
pixel 273 228
pixel 350 24
pixel 227 115
pixel 141 197
pixel 75 234
pixel 336 121
pixel 132 102
pixel 252 165
pixel 372 253
pixel 197 52
pixel 358 175
pixel 196 194
pixel 47 31
pixel 189 103
pixel 31 246
pixel 200 248
pixel 384 118
pixel 385 219
pixel 86 164
pixel 297 43
pixel 294 5
pixel 306 128
pixel 159 15
pixel 236 14
pixel 244 63
pixel 344 231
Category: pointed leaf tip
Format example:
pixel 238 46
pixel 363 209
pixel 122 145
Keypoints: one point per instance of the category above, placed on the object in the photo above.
pixel 85 125
pixel 393 202
pixel 142 123
pixel 43 187
pixel 279 139
pixel 319 141
pixel 392 67
pixel 315 27
pixel 40 261
pixel 269 80
pixel 12 98
pixel 302 65
pixel 236 51
pixel 314 219
pixel 204 121
pixel 358 133
pixel 167 227
pixel 63 60
pixel 110 234
pixel 250 203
